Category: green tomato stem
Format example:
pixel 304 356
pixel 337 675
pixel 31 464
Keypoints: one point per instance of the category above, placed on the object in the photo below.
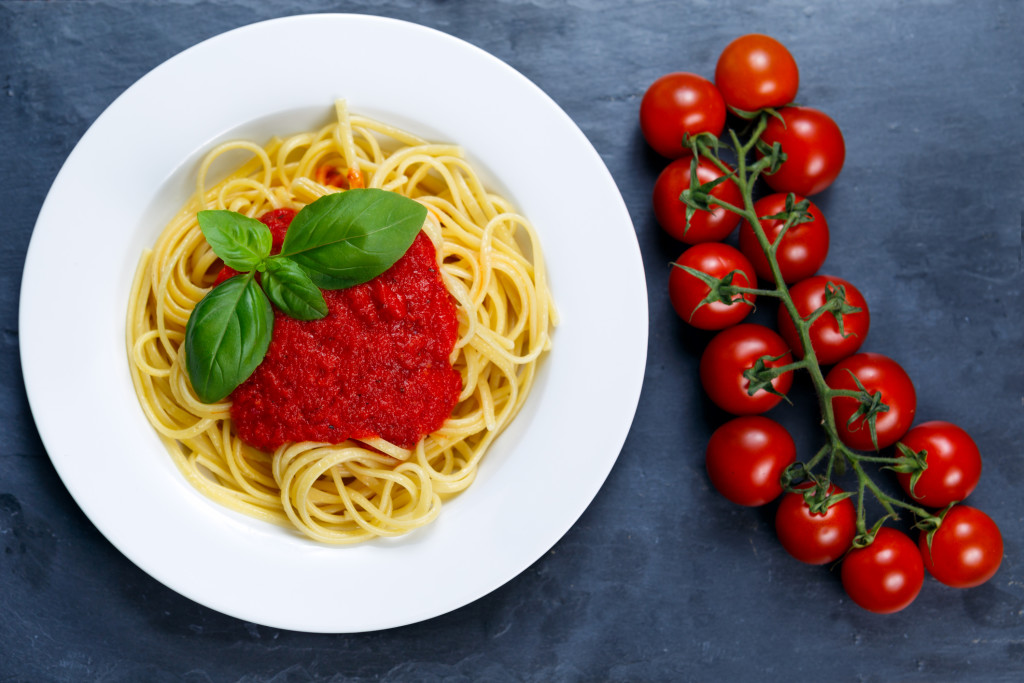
pixel 835 454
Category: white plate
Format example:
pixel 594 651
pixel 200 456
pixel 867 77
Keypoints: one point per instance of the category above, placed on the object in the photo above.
pixel 135 167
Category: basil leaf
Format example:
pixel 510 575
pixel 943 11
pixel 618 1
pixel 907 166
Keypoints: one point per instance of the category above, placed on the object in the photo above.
pixel 291 290
pixel 241 242
pixel 350 237
pixel 227 337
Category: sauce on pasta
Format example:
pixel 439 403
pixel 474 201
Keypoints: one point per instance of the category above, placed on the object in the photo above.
pixel 376 366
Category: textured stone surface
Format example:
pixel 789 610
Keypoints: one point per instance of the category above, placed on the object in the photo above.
pixel 661 579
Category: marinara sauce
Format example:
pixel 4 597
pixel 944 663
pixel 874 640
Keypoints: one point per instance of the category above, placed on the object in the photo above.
pixel 376 366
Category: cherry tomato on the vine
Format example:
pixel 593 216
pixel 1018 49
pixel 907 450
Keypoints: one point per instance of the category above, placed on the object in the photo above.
pixel 803 248
pixel 756 71
pixel 885 576
pixel 677 104
pixel 814 149
pixel 732 352
pixel 705 226
pixel 953 464
pixel 687 291
pixel 829 343
pixel 877 374
pixel 966 550
pixel 815 537
pixel 745 458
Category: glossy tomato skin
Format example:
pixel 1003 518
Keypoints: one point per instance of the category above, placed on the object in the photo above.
pixel 965 551
pixel 803 248
pixel 745 458
pixel 705 226
pixel 830 346
pixel 811 537
pixel 686 291
pixel 676 104
pixel 886 576
pixel 756 71
pixel 733 351
pixel 814 148
pixel 953 459
pixel 877 373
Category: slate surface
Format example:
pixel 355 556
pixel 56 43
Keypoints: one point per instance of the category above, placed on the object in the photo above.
pixel 661 579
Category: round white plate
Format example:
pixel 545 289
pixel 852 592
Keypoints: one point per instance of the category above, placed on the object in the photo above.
pixel 135 167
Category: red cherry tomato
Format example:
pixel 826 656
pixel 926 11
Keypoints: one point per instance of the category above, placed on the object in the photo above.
pixel 677 104
pixel 803 248
pixel 815 537
pixel 705 226
pixel 829 344
pixel 953 464
pixel 814 149
pixel 877 373
pixel 756 71
pixel 686 291
pixel 966 550
pixel 887 575
pixel 732 352
pixel 745 458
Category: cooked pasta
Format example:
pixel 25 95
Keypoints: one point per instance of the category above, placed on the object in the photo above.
pixel 491 263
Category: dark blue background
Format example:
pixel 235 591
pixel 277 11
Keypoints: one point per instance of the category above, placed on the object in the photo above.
pixel 661 578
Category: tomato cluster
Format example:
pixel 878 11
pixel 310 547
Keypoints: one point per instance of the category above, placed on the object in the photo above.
pixel 868 401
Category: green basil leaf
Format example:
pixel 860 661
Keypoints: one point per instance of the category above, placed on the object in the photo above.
pixel 347 238
pixel 291 290
pixel 241 242
pixel 227 337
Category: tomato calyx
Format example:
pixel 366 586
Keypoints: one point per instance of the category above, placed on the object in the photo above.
pixel 929 524
pixel 701 143
pixel 837 304
pixel 698 197
pixel 720 290
pixel 912 462
pixel 760 376
pixel 793 213
pixel 773 155
pixel 751 115
pixel 871 406
pixel 820 496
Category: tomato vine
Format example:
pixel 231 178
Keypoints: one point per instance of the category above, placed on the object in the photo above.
pixel 867 402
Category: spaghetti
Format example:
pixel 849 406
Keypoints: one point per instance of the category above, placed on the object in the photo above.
pixel 491 263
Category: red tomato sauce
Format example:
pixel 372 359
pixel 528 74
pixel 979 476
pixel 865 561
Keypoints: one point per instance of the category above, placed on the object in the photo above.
pixel 377 365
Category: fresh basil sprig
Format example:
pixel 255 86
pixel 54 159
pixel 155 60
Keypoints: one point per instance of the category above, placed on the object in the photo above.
pixel 338 241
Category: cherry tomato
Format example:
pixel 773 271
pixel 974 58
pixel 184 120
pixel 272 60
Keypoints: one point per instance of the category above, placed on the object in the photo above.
pixel 815 537
pixel 814 150
pixel 756 71
pixel 954 464
pixel 745 458
pixel 887 575
pixel 677 104
pixel 686 291
pixel 877 373
pixel 735 350
pixel 705 226
pixel 829 344
pixel 966 550
pixel 803 248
